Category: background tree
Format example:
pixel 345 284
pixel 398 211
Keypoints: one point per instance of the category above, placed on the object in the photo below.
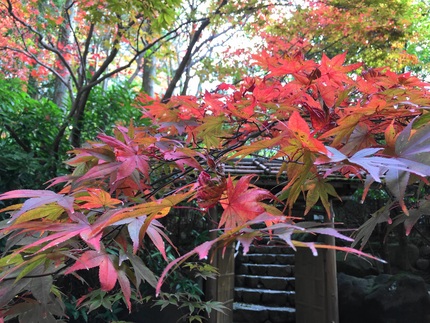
pixel 377 33
pixel 66 49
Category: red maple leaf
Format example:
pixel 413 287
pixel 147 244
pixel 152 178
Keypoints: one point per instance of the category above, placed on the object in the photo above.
pixel 242 203
pixel 301 136
pixel 209 189
pixel 90 259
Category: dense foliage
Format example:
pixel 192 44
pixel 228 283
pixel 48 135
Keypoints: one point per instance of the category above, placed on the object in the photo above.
pixel 322 119
pixel 28 128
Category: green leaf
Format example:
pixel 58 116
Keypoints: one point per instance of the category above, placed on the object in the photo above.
pixel 211 131
pixel 141 271
pixel 364 232
pixel 31 264
pixel 319 189
pixel 10 260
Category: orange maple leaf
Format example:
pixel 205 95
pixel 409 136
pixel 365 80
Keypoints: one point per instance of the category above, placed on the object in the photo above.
pixel 242 202
pixel 300 132
pixel 98 198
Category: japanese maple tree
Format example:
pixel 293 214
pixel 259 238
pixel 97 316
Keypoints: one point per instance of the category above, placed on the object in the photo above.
pixel 321 119
pixel 376 33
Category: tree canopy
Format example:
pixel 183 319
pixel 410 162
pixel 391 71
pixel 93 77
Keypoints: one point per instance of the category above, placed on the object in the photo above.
pixel 319 115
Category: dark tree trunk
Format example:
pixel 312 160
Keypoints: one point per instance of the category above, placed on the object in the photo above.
pixel 60 88
pixel 148 75
pixel 185 60
pixel 78 119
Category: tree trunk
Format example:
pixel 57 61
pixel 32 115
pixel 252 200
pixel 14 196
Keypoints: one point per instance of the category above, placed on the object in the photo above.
pixel 60 89
pixel 148 75
pixel 32 86
pixel 78 119
pixel 185 60
pixel 186 81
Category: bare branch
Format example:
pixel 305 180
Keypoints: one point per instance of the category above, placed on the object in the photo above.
pixel 18 140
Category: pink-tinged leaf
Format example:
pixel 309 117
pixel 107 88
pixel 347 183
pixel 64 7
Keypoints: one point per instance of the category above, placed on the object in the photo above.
pixel 133 228
pixel 26 194
pixel 156 235
pixel 59 179
pixel 142 165
pixel 90 259
pixel 102 153
pixel 127 167
pixel 246 241
pixel 153 230
pixel 125 287
pixel 38 198
pixel 183 158
pixel 100 171
pixel 418 168
pixel 331 232
pixel 285 230
pixel 202 250
pixel 356 252
pixel 397 181
pixel 115 143
pixel 107 274
pixel 92 240
pixel 375 165
pixel 154 209
pixel 366 152
pixel 333 156
pixel 64 232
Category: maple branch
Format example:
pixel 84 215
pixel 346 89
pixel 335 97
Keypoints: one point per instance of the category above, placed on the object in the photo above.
pixel 134 58
pixel 54 273
pixel 32 56
pixel 18 140
pixel 44 45
pixel 75 38
pixel 180 70
pixel 322 50
pixel 86 52
pixel 211 38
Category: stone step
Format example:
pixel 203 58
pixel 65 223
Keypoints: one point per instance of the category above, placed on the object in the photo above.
pixel 265 282
pixel 253 313
pixel 266 258
pixel 266 270
pixel 264 297
pixel 272 249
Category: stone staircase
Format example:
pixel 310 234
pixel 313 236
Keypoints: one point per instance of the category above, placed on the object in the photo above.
pixel 264 285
